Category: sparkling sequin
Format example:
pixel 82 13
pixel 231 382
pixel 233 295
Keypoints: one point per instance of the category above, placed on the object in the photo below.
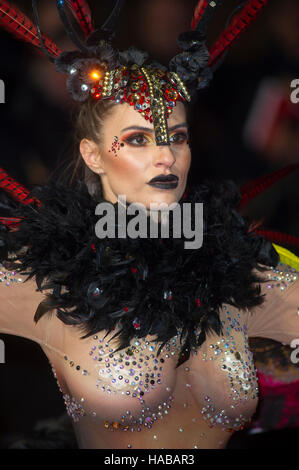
pixel 119 366
pixel 73 408
pixel 282 276
pixel 146 376
pixel 9 278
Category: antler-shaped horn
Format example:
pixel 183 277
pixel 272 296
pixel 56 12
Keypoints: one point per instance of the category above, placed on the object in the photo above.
pixel 237 25
pixel 107 31
pixel 69 28
pixel 110 23
pixel 197 64
pixel 192 63
pixel 203 14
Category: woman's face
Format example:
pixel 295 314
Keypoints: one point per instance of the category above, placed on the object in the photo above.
pixel 128 157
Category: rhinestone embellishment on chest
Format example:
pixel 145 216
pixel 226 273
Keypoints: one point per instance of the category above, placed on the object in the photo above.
pixel 133 371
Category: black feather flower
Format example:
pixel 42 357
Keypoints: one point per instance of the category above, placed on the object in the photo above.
pixel 189 65
pixel 133 56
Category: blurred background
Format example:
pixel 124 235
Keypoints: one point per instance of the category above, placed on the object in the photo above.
pixel 243 126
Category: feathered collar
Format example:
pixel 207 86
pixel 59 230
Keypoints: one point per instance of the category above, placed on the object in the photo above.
pixel 145 286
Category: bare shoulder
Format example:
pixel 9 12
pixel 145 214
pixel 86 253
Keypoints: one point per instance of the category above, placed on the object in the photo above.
pixel 277 317
pixel 279 281
pixel 19 299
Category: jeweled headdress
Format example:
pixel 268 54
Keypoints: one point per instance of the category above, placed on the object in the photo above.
pixel 98 70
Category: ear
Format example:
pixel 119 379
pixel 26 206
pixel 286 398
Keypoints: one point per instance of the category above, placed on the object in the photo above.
pixel 91 155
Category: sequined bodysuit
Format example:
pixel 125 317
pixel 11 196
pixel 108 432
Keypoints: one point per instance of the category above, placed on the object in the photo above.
pixel 135 399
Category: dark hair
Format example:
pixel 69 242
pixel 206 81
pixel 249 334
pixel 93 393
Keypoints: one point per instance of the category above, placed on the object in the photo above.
pixel 88 124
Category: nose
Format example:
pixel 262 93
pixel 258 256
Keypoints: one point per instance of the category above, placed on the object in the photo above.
pixel 164 156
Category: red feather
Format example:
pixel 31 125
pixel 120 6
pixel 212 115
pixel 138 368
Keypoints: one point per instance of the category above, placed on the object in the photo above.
pixel 252 189
pixel 10 222
pixel 198 13
pixel 18 24
pixel 82 13
pixel 237 26
pixel 16 190
pixel 278 237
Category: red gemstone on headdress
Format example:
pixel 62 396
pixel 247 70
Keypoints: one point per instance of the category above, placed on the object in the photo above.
pixel 134 270
pixel 198 302
pixel 93 247
pixel 126 309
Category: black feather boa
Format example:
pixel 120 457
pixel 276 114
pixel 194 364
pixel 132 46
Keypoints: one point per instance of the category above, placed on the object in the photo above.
pixel 100 283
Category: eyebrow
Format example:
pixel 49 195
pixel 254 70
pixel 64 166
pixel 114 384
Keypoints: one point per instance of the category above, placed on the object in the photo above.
pixel 148 129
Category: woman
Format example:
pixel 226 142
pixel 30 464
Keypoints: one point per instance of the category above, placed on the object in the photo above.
pixel 149 343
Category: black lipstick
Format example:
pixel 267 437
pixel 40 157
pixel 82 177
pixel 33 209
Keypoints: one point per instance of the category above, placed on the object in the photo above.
pixel 164 181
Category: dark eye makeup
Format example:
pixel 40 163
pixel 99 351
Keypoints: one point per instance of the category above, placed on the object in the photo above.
pixel 141 139
pixel 136 139
pixel 179 138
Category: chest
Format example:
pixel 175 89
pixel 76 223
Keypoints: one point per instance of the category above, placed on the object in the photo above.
pixel 134 387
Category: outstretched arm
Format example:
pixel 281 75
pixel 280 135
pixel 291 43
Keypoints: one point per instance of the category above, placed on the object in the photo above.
pixel 278 317
pixel 18 303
